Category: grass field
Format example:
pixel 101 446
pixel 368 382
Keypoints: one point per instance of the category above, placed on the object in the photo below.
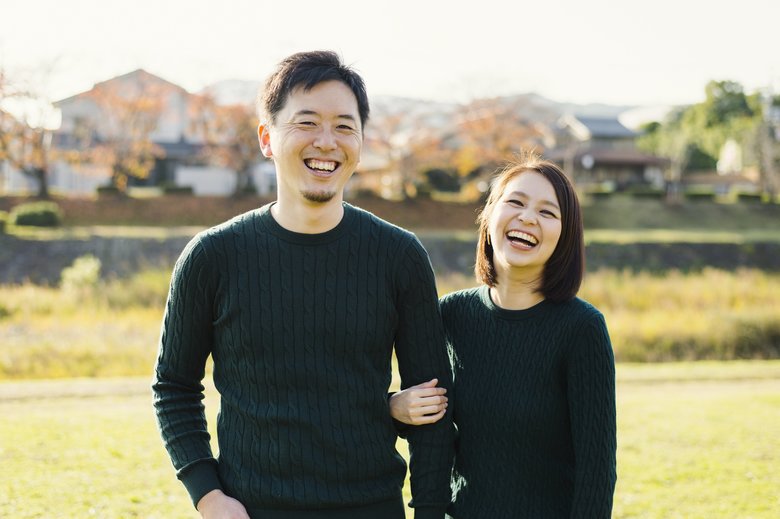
pixel 107 329
pixel 695 440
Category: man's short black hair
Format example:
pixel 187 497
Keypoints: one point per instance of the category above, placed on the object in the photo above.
pixel 306 70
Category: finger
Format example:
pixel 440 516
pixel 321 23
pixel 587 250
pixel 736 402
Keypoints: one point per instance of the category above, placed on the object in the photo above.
pixel 428 401
pixel 431 383
pixel 427 393
pixel 434 400
pixel 428 410
pixel 431 418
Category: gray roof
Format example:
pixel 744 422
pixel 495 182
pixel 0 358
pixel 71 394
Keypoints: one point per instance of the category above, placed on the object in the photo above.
pixel 606 127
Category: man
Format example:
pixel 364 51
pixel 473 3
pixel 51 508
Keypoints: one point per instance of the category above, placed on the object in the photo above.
pixel 300 304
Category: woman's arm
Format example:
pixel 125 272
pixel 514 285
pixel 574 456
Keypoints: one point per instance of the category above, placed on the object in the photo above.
pixel 591 388
pixel 419 405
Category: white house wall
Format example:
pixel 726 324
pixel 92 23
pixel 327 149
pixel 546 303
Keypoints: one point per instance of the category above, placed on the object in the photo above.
pixel 77 109
pixel 264 177
pixel 12 182
pixel 216 181
pixel 206 180
pixel 80 180
pixel 174 120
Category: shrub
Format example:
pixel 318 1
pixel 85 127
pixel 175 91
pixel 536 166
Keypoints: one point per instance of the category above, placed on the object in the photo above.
pixel 749 197
pixel 598 194
pixel 178 190
pixel 3 221
pixel 646 192
pixel 5 311
pixel 38 214
pixel 442 179
pixel 699 194
pixel 82 277
pixel 108 191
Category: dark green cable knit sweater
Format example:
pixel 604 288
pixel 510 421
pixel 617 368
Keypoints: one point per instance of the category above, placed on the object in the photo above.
pixel 301 328
pixel 535 409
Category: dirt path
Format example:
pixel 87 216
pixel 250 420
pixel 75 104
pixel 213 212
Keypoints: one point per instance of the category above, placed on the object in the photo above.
pixel 73 388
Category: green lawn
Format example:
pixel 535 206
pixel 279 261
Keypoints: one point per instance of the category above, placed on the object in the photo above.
pixel 696 440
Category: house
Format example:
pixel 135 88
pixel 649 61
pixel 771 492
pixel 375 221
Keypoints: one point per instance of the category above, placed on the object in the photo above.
pixel 171 112
pixel 601 151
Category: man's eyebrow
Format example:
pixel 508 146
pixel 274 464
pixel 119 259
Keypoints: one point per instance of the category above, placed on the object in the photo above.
pixel 312 112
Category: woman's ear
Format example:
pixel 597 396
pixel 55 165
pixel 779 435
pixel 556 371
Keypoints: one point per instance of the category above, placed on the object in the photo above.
pixel 265 140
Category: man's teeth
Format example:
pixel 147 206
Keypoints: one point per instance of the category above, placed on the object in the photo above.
pixel 522 236
pixel 322 165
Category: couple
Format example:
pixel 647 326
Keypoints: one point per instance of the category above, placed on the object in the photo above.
pixel 302 302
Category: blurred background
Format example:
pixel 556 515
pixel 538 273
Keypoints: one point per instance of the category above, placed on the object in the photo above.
pixel 126 129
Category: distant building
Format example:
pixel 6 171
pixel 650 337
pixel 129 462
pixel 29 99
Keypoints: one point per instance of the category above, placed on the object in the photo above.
pixel 600 151
pixel 180 162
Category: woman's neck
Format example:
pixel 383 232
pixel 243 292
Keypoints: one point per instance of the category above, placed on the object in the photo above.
pixel 517 290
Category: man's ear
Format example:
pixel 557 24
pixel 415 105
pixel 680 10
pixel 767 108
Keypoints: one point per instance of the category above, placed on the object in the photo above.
pixel 265 140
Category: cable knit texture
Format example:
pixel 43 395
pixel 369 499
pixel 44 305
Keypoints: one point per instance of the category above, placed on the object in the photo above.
pixel 302 328
pixel 534 408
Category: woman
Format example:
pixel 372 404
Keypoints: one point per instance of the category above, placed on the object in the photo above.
pixel 534 376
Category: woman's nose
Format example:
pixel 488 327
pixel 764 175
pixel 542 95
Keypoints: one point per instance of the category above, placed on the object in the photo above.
pixel 526 215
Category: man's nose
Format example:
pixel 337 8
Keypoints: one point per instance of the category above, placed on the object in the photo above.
pixel 325 139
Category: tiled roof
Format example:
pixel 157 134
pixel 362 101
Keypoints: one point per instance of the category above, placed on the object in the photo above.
pixel 603 127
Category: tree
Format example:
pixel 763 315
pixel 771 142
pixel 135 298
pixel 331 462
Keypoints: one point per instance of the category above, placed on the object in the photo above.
pixel 230 136
pixel 492 131
pixel 25 136
pixel 767 142
pixel 694 136
pixel 120 136
pixel 726 113
pixel 408 144
pixel 670 139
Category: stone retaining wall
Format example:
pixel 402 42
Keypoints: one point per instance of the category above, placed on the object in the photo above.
pixel 42 261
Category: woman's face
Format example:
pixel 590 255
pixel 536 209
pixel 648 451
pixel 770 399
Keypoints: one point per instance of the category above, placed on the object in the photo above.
pixel 525 224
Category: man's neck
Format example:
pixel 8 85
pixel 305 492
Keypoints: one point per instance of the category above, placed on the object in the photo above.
pixel 308 217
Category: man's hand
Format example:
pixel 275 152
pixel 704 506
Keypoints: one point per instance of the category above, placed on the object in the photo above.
pixel 217 505
pixel 421 404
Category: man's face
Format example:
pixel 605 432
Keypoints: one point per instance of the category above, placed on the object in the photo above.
pixel 315 142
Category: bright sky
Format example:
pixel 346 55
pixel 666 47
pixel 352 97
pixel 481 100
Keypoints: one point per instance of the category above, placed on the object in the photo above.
pixel 609 51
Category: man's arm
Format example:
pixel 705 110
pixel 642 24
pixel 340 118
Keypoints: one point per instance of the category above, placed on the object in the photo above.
pixel 422 356
pixel 185 344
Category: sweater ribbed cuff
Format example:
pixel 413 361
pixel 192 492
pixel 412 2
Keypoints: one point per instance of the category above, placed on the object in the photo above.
pixel 199 479
pixel 429 512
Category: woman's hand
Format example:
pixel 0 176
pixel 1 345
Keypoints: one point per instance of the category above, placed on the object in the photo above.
pixel 421 404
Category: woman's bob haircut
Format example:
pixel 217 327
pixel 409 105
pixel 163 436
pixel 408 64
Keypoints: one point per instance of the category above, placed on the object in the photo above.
pixel 564 270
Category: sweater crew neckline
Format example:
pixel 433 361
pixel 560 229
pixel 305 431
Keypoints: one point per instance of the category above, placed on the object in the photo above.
pixel 302 238
pixel 538 309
